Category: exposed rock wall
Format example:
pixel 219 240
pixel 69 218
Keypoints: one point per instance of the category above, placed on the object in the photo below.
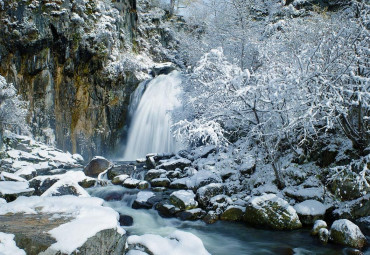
pixel 56 53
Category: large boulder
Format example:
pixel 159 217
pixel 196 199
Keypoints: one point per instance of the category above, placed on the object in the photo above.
pixel 192 214
pixel 270 211
pixel 309 211
pixel 183 199
pixel 347 233
pixel 348 188
pixel 173 164
pixel 10 190
pixel 233 213
pixel 154 173
pixel 142 200
pixel 353 209
pixel 204 194
pixel 96 166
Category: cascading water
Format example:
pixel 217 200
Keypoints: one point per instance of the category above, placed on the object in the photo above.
pixel 150 128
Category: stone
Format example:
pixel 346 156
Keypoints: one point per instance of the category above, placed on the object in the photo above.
pixel 178 185
pixel 143 185
pixel 211 217
pixel 301 194
pixel 364 224
pixel 205 193
pixel 183 199
pixel 160 182
pixel 126 220
pixel 120 179
pixel 270 211
pixel 96 166
pixel 154 173
pixel 87 183
pixel 10 190
pixel 233 213
pixel 323 235
pixel 309 211
pixel 144 200
pixel 131 183
pixel 150 162
pixel 192 214
pixel 166 210
pixel 319 224
pixel 353 209
pixel 162 68
pixel 173 164
pixel 348 188
pixel 120 170
pixel 41 186
pixel 345 232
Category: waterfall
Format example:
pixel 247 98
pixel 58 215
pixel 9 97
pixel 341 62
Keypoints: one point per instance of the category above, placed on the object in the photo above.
pixel 150 127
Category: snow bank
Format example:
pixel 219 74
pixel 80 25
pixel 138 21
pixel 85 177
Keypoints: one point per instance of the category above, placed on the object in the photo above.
pixel 8 246
pixel 178 243
pixel 90 218
pixel 310 207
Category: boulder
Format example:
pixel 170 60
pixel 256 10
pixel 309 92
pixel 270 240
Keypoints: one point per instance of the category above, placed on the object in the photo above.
pixel 309 211
pixel 120 170
pixel 143 185
pixel 324 235
pixel 364 224
pixel 160 182
pixel 126 220
pixel 131 183
pixel 10 190
pixel 301 194
pixel 272 212
pixel 204 194
pixel 162 68
pixel 120 179
pixel 96 166
pixel 154 173
pixel 346 233
pixel 192 214
pixel 319 224
pixel 353 209
pixel 233 213
pixel 348 188
pixel 183 199
pixel 142 200
pixel 211 217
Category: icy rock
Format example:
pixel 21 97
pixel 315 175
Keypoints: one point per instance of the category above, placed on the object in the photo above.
pixel 347 233
pixel 96 166
pixel 142 200
pixel 173 164
pixel 204 194
pixel 324 235
pixel 309 211
pixel 192 214
pixel 220 202
pixel 160 182
pixel 211 217
pixel 120 170
pixel 10 190
pixel 162 68
pixel 183 199
pixel 179 243
pixel 319 224
pixel 271 211
pixel 233 213
pixel 154 173
pixel 120 179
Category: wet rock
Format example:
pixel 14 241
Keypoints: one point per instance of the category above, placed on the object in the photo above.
pixel 309 211
pixel 87 183
pixel 347 233
pixel 272 212
pixel 96 166
pixel 183 199
pixel 131 183
pixel 143 185
pixel 42 184
pixel 192 214
pixel 126 220
pixel 178 185
pixel 233 213
pixel 120 170
pixel 166 210
pixel 154 173
pixel 160 182
pixel 150 162
pixel 173 164
pixel 319 224
pixel 211 217
pixel 162 68
pixel 204 194
pixel 143 200
pixel 323 235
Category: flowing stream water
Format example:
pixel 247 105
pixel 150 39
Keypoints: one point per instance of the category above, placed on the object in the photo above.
pixel 149 112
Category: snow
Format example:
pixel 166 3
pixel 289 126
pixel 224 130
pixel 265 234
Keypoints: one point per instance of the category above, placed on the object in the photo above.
pixel 261 200
pixel 90 217
pixel 8 246
pixel 199 177
pixel 143 196
pixel 122 177
pixel 10 187
pixel 310 207
pixel 2 201
pixel 14 177
pixel 178 243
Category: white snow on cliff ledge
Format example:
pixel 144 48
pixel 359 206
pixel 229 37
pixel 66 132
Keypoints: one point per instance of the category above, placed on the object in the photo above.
pixel 90 217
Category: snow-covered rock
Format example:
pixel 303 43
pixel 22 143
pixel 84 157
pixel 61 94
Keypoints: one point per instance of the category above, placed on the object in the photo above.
pixel 178 243
pixel 205 193
pixel 347 233
pixel 324 235
pixel 317 226
pixel 120 179
pixel 309 211
pixel 74 223
pixel 271 211
pixel 131 183
pixel 166 210
pixel 198 180
pixel 120 170
pixel 8 246
pixel 301 194
pixel 353 209
pixel 233 213
pixel 173 164
pixel 192 214
pixel 10 190
pixel 141 200
pixel 184 199
pixel 5 176
pixel 160 182
pixel 154 173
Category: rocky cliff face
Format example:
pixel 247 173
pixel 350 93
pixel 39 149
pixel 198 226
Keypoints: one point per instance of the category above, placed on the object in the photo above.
pixel 60 55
